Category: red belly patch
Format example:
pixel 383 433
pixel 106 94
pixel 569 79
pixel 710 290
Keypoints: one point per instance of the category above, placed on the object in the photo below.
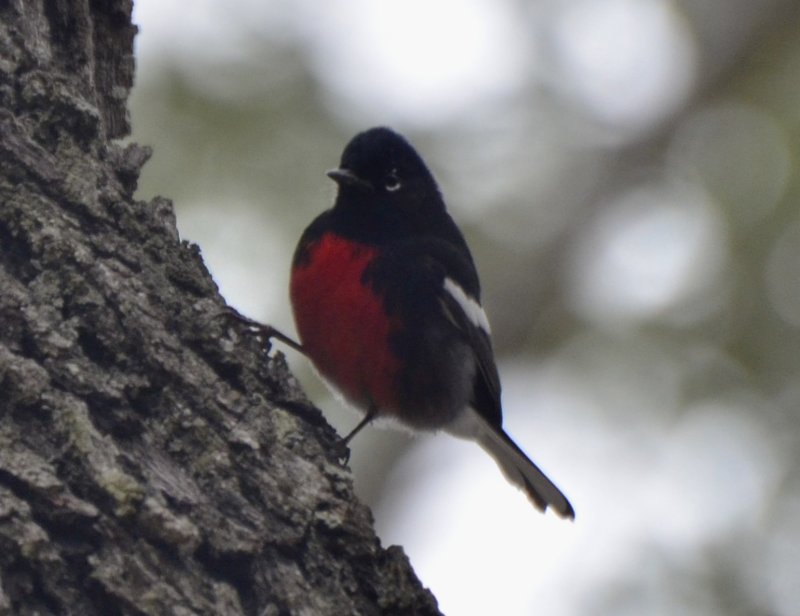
pixel 342 323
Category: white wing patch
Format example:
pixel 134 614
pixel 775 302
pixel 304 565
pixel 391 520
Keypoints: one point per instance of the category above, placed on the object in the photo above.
pixel 470 307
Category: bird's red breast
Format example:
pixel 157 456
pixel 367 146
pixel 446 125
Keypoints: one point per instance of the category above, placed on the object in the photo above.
pixel 342 323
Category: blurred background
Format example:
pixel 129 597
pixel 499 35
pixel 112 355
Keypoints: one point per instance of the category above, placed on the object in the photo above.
pixel 626 172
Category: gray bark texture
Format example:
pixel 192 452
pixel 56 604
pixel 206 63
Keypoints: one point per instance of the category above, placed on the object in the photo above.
pixel 153 458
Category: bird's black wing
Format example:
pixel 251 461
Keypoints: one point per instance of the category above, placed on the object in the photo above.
pixel 436 277
pixel 442 273
pixel 486 387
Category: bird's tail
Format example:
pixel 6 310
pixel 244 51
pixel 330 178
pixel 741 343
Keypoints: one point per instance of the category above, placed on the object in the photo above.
pixel 516 466
pixel 522 472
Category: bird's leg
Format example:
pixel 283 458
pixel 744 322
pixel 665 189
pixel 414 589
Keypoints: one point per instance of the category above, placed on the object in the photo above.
pixel 265 332
pixel 343 451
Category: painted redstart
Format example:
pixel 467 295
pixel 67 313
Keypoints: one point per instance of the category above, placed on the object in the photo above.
pixel 386 300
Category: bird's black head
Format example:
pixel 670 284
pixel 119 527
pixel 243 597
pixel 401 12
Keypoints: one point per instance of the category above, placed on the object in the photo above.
pixel 382 177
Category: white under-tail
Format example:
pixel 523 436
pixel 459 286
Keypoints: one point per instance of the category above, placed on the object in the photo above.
pixel 516 466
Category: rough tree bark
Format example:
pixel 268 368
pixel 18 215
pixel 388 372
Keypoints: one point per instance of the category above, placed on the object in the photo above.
pixel 153 458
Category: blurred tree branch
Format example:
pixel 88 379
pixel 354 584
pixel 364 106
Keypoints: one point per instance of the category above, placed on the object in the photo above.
pixel 152 459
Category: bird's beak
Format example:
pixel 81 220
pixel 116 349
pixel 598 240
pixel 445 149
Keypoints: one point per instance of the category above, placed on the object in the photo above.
pixel 345 177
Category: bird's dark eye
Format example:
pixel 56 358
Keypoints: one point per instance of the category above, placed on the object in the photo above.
pixel 391 182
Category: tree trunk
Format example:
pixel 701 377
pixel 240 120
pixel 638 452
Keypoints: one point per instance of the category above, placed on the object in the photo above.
pixel 153 458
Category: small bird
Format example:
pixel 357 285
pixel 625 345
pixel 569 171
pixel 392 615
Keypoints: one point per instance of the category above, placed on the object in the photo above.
pixel 386 300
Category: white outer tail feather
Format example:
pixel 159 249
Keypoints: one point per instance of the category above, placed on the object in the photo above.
pixel 515 465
